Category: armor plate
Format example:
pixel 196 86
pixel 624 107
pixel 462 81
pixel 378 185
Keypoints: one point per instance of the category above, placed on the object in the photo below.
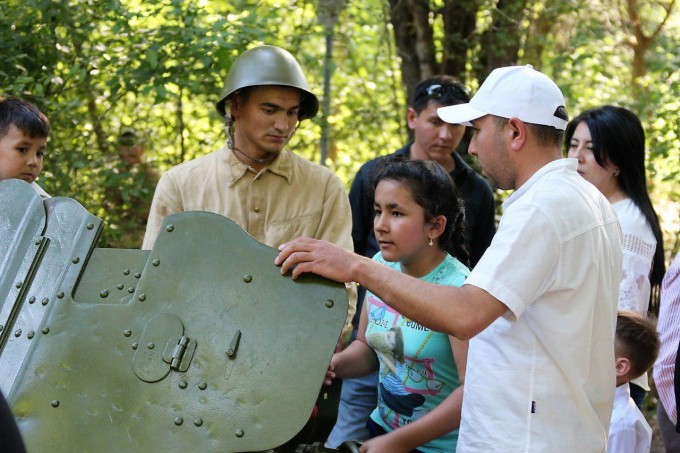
pixel 198 344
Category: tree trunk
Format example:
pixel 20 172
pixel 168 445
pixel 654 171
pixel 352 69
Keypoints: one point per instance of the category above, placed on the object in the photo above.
pixel 414 41
pixel 460 19
pixel 640 42
pixel 500 44
pixel 412 24
pixel 540 28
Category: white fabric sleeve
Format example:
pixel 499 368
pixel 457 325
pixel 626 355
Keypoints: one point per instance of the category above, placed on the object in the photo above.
pixel 635 287
pixel 519 265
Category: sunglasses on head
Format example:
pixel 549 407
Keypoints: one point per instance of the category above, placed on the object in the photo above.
pixel 438 91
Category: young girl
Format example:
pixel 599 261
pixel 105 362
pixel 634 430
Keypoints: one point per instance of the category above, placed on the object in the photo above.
pixel 419 227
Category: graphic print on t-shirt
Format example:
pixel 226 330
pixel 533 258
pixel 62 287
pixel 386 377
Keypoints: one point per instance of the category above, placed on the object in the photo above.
pixel 406 374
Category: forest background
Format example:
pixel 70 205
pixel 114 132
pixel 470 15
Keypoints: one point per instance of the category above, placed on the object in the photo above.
pixel 96 67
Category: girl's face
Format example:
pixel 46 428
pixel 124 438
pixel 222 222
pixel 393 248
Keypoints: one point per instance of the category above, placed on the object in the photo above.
pixel 581 148
pixel 399 224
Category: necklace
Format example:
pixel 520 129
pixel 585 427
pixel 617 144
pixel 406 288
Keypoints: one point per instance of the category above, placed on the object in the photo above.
pixel 265 160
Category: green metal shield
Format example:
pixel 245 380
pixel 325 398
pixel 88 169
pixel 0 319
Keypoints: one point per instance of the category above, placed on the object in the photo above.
pixel 198 344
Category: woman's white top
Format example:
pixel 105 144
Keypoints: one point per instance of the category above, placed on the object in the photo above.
pixel 639 245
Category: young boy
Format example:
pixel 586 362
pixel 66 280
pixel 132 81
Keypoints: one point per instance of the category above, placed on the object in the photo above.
pixel 636 347
pixel 23 140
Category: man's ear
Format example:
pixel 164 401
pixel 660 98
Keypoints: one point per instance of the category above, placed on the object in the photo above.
pixel 518 132
pixel 233 106
pixel 622 366
pixel 411 116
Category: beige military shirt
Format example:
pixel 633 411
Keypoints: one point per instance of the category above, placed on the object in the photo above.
pixel 289 198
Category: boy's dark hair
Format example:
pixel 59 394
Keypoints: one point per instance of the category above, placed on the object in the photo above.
pixel 434 190
pixel 442 89
pixel 24 115
pixel 638 340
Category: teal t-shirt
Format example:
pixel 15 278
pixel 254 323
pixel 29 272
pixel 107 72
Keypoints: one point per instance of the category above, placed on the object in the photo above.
pixel 417 369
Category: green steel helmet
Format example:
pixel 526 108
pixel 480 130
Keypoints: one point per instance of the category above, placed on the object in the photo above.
pixel 268 65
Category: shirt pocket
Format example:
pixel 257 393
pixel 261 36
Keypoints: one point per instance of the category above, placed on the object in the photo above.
pixel 303 225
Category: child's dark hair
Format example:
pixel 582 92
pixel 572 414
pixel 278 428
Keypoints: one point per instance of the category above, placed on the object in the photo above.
pixel 24 115
pixel 638 340
pixel 433 189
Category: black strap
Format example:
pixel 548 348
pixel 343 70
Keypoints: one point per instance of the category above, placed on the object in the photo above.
pixel 676 385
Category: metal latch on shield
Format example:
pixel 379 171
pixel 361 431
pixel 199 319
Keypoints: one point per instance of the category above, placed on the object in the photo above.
pixel 178 353
pixel 151 362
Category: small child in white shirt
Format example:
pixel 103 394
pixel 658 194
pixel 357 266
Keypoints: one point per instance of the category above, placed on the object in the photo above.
pixel 636 347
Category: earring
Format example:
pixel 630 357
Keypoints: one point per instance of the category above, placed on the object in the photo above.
pixel 431 243
pixel 617 172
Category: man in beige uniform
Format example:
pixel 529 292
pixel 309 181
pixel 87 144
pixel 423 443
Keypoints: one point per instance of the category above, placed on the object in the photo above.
pixel 269 191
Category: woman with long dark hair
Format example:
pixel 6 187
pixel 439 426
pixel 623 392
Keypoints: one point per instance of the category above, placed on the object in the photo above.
pixel 609 143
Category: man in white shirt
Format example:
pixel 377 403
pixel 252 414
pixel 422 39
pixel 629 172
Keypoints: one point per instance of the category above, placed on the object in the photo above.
pixel 540 306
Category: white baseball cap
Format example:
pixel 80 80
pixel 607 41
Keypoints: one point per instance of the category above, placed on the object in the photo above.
pixel 512 91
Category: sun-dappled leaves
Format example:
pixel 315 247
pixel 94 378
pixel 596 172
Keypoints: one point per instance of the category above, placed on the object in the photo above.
pixel 96 67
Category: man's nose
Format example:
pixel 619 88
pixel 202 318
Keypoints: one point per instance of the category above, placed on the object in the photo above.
pixel 446 131
pixel 282 121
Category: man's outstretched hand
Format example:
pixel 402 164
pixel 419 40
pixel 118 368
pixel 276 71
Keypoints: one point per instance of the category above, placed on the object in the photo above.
pixel 316 256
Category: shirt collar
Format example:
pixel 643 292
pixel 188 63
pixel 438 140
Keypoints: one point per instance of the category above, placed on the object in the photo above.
pixel 622 392
pixel 462 167
pixel 281 166
pixel 558 165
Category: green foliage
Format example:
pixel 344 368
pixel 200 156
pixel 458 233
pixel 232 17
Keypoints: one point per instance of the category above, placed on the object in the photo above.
pixel 596 70
pixel 367 105
pixel 97 66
